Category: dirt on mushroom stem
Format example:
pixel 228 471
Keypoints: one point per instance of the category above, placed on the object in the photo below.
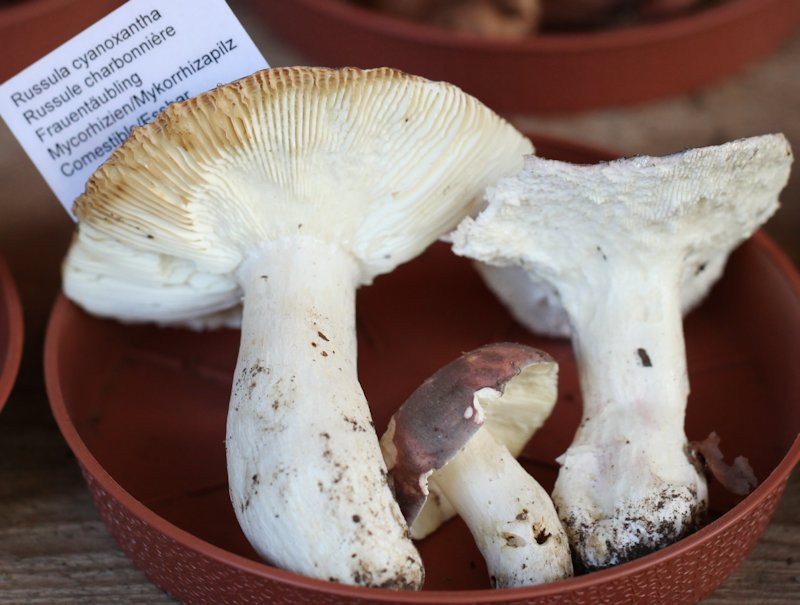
pixel 627 485
pixel 299 422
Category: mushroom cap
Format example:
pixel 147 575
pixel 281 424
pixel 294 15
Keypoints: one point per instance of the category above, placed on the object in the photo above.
pixel 563 222
pixel 509 388
pixel 378 161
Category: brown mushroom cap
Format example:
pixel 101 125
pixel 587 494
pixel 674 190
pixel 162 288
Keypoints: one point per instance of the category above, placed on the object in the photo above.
pixel 441 416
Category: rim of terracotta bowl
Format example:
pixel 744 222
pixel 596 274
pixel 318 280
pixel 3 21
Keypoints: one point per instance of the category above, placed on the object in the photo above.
pixel 22 10
pixel 646 33
pixel 774 482
pixel 552 72
pixel 11 319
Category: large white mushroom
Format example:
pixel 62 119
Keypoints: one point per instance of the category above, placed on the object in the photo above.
pixel 623 247
pixel 285 192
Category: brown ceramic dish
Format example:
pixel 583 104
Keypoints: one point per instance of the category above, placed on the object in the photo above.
pixel 550 72
pixel 11 332
pixel 143 409
pixel 29 29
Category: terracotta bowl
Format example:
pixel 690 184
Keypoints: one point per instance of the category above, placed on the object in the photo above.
pixel 550 72
pixel 11 332
pixel 29 29
pixel 143 409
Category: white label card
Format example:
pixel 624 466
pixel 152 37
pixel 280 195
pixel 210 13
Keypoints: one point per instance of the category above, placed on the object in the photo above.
pixel 73 107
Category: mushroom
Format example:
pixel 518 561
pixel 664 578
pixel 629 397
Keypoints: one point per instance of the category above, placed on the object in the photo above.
pixel 582 13
pixel 612 13
pixel 502 19
pixel 494 19
pixel 286 191
pixel 452 447
pixel 622 243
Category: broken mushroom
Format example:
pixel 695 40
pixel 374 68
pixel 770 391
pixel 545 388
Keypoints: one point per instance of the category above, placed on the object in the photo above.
pixel 285 191
pixel 737 478
pixel 621 243
pixel 451 449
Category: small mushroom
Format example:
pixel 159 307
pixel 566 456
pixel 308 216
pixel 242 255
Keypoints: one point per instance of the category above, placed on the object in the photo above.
pixel 451 449
pixel 283 193
pixel 627 245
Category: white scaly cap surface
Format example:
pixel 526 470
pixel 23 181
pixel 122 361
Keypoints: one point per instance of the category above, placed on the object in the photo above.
pixel 557 219
pixel 535 303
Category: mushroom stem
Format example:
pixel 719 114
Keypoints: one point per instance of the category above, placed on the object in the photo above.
pixel 627 485
pixel 307 478
pixel 511 517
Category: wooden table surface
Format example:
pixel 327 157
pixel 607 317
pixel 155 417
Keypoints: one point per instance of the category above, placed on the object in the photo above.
pixel 54 549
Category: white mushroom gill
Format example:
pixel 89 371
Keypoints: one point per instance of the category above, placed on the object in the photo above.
pixel 627 245
pixel 287 190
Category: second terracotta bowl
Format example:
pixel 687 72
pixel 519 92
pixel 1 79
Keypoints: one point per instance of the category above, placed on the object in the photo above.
pixel 562 72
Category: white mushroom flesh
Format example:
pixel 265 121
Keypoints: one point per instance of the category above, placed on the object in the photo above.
pixel 536 305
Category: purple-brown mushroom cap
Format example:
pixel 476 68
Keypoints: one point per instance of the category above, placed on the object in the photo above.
pixel 442 415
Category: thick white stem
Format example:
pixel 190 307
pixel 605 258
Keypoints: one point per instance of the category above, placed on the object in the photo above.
pixel 307 478
pixel 626 485
pixel 511 517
